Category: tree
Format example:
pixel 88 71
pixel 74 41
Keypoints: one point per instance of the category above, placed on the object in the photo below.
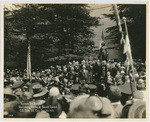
pixel 136 22
pixel 53 30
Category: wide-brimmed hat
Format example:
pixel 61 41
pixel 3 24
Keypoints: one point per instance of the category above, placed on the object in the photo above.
pixel 10 101
pixel 17 84
pixel 37 90
pixel 8 94
pixel 137 110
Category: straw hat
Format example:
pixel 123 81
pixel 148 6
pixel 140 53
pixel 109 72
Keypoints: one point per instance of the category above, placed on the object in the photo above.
pixel 37 90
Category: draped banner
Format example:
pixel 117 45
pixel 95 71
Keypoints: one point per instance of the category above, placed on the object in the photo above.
pixel 29 61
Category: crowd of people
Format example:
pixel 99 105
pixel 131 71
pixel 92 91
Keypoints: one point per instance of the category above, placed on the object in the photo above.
pixel 86 89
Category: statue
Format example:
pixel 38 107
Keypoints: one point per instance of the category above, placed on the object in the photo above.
pixel 103 52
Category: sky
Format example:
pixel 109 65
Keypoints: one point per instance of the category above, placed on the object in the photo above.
pixel 97 10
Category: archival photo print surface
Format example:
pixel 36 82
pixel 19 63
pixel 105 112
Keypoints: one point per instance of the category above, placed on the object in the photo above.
pixel 75 61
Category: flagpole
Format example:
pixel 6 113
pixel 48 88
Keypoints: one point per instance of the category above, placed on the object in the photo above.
pixel 118 22
pixel 122 41
pixel 117 18
pixel 133 73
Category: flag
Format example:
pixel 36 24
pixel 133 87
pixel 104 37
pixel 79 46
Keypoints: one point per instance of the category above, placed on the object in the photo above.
pixel 127 52
pixel 29 61
pixel 102 39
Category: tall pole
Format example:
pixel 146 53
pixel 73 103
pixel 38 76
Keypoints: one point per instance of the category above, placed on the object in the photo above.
pixel 131 59
pixel 122 41
pixel 118 21
pixel 29 60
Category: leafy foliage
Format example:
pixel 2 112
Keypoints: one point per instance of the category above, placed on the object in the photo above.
pixel 54 30
pixel 136 22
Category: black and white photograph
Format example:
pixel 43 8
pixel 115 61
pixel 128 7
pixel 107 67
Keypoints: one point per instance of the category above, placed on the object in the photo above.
pixel 75 60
